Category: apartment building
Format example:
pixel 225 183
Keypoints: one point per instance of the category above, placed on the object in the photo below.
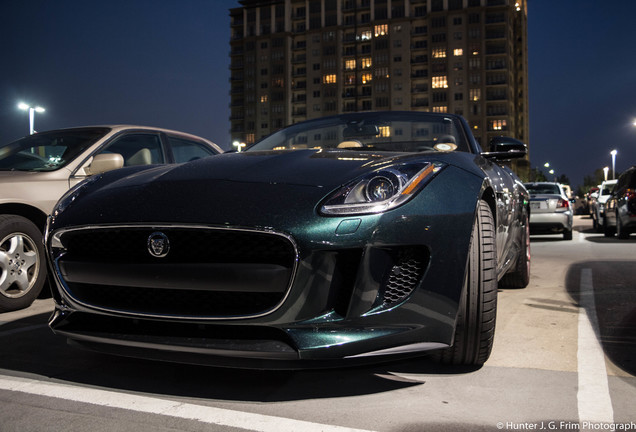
pixel 293 60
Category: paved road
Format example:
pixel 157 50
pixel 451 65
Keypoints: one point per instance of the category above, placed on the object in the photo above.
pixel 564 359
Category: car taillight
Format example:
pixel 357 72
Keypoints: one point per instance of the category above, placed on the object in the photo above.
pixel 563 203
pixel 630 194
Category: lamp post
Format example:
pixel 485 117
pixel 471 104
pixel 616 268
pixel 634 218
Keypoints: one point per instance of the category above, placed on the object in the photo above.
pixel 613 153
pixel 32 111
pixel 605 170
pixel 238 145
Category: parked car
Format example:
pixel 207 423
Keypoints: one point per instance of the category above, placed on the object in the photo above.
pixel 592 195
pixel 347 237
pixel 598 206
pixel 550 209
pixel 620 209
pixel 37 170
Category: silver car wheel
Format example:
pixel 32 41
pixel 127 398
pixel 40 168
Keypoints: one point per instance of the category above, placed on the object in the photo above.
pixel 19 265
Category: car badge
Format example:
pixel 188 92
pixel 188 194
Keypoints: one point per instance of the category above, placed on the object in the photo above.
pixel 158 244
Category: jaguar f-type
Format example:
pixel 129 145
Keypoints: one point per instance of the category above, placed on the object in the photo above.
pixel 356 237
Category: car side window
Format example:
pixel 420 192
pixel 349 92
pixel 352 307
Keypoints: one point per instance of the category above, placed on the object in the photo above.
pixel 137 149
pixel 186 150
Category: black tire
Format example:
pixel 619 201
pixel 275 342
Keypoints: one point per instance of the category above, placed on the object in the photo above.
pixel 607 231
pixel 599 226
pixel 519 277
pixel 567 234
pixel 475 328
pixel 621 233
pixel 22 266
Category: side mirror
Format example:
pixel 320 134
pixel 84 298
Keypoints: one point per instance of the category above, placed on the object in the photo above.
pixel 105 162
pixel 504 148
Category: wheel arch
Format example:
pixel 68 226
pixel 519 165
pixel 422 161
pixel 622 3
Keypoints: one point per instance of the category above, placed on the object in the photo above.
pixel 488 194
pixel 34 214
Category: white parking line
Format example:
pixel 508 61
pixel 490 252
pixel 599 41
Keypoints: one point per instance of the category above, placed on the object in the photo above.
pixel 580 236
pixel 594 401
pixel 151 405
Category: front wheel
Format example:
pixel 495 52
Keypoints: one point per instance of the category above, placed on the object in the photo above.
pixel 620 230
pixel 607 230
pixel 475 328
pixel 22 268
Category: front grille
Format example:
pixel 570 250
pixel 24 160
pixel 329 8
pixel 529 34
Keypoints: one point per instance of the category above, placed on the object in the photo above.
pixel 186 245
pixel 405 275
pixel 207 273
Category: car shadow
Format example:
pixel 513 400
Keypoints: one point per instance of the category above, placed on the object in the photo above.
pixel 615 300
pixel 30 348
pixel 601 239
pixel 546 238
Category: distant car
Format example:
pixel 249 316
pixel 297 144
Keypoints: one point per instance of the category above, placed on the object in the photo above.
pixel 567 189
pixel 550 209
pixel 344 238
pixel 598 206
pixel 37 170
pixel 620 208
pixel 591 198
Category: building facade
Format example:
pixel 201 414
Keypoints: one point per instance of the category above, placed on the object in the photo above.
pixel 293 60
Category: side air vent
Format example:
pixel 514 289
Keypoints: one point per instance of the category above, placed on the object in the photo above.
pixel 405 275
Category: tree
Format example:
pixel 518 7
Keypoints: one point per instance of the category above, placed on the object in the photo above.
pixel 563 179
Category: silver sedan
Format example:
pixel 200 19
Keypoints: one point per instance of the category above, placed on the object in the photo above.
pixel 37 170
pixel 550 209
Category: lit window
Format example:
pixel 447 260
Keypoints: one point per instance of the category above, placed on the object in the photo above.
pixel 249 138
pixel 365 63
pixel 439 53
pixel 385 131
pixel 440 82
pixel 475 94
pixel 381 30
pixel 329 79
pixel 366 78
pixel 458 52
pixel 365 35
pixel 498 125
pixel 263 98
pixel 440 109
pixel 350 64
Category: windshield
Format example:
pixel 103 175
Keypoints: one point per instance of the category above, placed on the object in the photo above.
pixel 379 131
pixel 545 189
pixel 607 189
pixel 48 151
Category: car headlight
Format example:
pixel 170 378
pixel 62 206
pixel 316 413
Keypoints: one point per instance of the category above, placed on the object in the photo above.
pixel 381 190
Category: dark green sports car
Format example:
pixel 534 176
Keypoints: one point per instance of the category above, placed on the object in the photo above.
pixel 349 238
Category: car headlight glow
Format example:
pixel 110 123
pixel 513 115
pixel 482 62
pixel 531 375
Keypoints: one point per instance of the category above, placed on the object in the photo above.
pixel 381 190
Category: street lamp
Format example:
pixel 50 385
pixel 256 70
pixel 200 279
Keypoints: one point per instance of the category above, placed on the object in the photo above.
pixel 605 170
pixel 238 145
pixel 613 153
pixel 32 111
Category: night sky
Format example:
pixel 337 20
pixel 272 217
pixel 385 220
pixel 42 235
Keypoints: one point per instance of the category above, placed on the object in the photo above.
pixel 165 63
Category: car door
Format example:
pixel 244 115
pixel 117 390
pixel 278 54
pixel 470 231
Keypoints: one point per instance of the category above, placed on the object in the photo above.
pixel 136 147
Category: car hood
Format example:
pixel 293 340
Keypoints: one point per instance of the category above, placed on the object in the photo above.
pixel 298 167
pixel 228 189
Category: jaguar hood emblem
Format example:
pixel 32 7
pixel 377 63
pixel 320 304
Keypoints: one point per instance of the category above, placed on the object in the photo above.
pixel 158 244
